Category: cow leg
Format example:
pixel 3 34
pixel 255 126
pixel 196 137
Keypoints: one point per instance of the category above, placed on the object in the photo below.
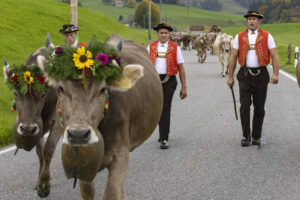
pixel 87 190
pixel 223 69
pixel 203 57
pixel 43 185
pixel 39 153
pixel 115 187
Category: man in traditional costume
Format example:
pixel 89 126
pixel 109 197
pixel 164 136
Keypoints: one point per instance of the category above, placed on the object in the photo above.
pixel 70 33
pixel 168 60
pixel 253 49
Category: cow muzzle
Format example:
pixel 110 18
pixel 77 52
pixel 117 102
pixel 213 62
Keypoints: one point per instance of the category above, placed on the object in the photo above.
pixel 79 136
pixel 76 135
pixel 28 129
pixel 227 50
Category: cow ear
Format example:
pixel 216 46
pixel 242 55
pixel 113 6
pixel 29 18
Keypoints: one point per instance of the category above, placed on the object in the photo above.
pixel 6 69
pixel 130 75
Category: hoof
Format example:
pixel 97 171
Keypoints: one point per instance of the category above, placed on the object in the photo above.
pixel 223 75
pixel 43 193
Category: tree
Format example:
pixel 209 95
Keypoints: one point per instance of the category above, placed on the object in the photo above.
pixel 141 14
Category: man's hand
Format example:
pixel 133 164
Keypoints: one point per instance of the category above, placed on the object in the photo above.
pixel 183 93
pixel 230 82
pixel 274 79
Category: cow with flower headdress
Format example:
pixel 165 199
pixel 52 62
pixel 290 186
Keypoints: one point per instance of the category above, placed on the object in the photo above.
pixel 109 103
pixel 36 103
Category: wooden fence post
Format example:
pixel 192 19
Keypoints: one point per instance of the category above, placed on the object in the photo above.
pixel 74 18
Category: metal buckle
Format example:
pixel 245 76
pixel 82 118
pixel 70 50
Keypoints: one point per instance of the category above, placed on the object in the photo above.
pixel 165 79
pixel 254 74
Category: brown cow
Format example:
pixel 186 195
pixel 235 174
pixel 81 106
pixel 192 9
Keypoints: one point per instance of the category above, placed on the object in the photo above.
pixel 35 118
pixel 200 45
pixel 91 141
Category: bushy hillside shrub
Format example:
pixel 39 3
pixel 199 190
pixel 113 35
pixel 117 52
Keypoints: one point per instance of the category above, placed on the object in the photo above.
pixel 141 14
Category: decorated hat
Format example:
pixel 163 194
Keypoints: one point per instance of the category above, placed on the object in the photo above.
pixel 163 26
pixel 68 28
pixel 251 13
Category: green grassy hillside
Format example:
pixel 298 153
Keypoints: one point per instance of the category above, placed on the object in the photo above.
pixel 231 6
pixel 175 15
pixel 284 34
pixel 23 28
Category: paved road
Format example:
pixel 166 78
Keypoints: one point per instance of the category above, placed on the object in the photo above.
pixel 205 159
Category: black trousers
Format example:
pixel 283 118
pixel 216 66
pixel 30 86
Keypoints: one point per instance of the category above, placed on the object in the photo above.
pixel 169 88
pixel 253 88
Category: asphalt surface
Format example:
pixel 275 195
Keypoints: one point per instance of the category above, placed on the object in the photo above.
pixel 205 160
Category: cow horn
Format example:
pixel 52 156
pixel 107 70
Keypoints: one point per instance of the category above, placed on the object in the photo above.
pixel 6 65
pixel 6 69
pixel 120 45
pixel 48 41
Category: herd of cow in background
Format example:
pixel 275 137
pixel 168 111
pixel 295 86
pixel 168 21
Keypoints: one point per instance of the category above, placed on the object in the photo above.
pixel 217 43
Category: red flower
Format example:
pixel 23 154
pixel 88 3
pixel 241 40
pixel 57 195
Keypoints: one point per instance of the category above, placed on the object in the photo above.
pixel 10 74
pixel 42 79
pixel 14 78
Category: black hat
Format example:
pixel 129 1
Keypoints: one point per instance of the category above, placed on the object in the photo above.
pixel 251 13
pixel 163 26
pixel 69 28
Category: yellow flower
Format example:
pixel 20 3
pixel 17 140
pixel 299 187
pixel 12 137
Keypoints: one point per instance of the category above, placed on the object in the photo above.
pixel 28 78
pixel 82 59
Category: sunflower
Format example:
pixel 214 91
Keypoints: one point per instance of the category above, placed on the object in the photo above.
pixel 82 59
pixel 28 78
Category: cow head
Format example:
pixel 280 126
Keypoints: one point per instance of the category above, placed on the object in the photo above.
pixel 82 104
pixel 28 127
pixel 226 43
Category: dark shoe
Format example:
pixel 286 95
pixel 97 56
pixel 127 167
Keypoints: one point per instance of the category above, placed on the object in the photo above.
pixel 245 141
pixel 164 144
pixel 256 142
pixel 159 140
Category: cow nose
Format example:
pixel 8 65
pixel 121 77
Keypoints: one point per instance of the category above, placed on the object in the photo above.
pixel 79 136
pixel 28 130
pixel 227 50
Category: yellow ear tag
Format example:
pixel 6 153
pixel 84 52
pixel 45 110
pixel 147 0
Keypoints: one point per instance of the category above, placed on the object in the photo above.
pixel 125 83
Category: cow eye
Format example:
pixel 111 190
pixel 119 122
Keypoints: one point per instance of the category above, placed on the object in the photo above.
pixel 61 90
pixel 43 95
pixel 102 91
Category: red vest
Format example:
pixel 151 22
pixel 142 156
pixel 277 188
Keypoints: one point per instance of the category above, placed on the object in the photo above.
pixel 171 56
pixel 261 47
pixel 82 44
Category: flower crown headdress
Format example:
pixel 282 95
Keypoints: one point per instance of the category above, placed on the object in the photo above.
pixel 26 79
pixel 97 61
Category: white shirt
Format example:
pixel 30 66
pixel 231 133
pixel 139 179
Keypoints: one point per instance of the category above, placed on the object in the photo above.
pixel 160 63
pixel 75 43
pixel 251 59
